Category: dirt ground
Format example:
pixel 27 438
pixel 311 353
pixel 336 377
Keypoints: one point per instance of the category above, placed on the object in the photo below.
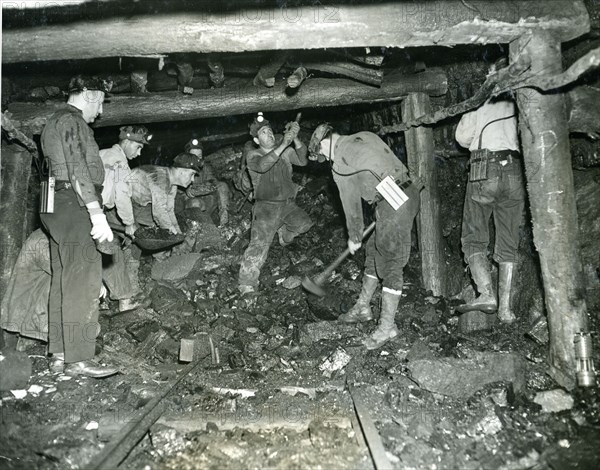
pixel 271 400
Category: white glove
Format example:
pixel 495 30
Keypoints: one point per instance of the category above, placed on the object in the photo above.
pixel 100 229
pixel 353 246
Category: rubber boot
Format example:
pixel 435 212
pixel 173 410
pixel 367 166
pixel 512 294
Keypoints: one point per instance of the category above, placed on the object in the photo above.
pixel 386 330
pixel 505 278
pixel 361 311
pixel 486 301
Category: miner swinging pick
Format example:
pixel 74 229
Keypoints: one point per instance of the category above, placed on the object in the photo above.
pixel 275 211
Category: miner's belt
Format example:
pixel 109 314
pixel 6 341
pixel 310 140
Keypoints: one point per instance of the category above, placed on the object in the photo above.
pixel 60 185
pixel 501 156
pixel 505 153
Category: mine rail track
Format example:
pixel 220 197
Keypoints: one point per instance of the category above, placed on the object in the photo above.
pixel 370 434
pixel 120 447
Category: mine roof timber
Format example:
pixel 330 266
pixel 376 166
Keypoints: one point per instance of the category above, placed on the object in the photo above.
pixel 174 106
pixel 399 24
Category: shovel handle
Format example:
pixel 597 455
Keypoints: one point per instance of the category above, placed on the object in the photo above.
pixel 319 279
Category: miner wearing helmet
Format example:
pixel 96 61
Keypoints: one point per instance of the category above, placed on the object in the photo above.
pixel 359 164
pixel 115 192
pixel 269 162
pixel 75 223
pixel 495 187
pixel 206 192
pixel 121 270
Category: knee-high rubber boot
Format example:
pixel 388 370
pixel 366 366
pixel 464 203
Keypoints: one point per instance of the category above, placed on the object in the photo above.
pixel 361 311
pixel 486 301
pixel 505 278
pixel 386 329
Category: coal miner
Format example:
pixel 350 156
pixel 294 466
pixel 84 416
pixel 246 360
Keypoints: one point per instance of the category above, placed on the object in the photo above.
pixel 76 222
pixel 269 164
pixel 206 192
pixel 153 190
pixel 121 268
pixel 495 188
pixel 361 163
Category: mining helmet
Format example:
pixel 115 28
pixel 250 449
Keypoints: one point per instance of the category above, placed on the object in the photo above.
pixel 80 83
pixel 318 135
pixel 193 144
pixel 259 122
pixel 135 133
pixel 189 161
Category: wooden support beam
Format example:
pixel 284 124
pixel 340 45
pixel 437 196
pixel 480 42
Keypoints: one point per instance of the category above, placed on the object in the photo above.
pixel 246 99
pixel 366 75
pixel 518 75
pixel 161 80
pixel 547 157
pixel 374 60
pixel 14 185
pixel 266 74
pixel 421 164
pixel 297 77
pixel 312 26
pixel 364 58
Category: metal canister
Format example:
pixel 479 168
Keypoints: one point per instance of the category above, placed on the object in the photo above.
pixel 586 375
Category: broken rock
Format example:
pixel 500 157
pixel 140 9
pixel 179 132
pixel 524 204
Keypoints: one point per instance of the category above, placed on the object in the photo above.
pixel 490 424
pixel 292 282
pixel 553 401
pixel 174 268
pixel 167 300
pixel 419 350
pixel 460 378
pixel 336 361
pixel 314 332
pixel 166 440
pixel 15 370
pixel 141 329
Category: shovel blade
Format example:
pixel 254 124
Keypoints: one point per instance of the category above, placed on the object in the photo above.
pixel 312 287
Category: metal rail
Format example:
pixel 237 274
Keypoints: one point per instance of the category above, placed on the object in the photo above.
pixel 120 447
pixel 372 437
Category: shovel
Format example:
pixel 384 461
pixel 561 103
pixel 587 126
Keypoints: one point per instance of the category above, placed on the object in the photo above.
pixel 315 285
pixel 150 244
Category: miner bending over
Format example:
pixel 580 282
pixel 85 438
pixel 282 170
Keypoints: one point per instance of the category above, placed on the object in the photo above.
pixel 153 190
pixel 359 162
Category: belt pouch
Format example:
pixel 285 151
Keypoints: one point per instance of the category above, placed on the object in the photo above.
pixel 479 165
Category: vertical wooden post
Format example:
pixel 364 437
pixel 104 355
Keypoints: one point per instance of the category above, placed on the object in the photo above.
pixel 547 156
pixel 16 170
pixel 419 149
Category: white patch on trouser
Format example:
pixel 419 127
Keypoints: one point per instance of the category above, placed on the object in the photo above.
pixel 392 291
